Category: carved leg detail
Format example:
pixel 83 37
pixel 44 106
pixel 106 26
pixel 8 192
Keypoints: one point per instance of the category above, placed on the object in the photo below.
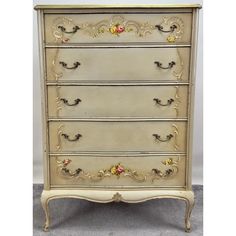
pixel 189 207
pixel 44 201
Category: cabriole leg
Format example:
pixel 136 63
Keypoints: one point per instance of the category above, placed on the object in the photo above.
pixel 44 201
pixel 189 207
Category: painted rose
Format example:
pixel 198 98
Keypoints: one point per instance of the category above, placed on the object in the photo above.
pixel 120 169
pixel 117 29
pixel 66 162
pixel 120 29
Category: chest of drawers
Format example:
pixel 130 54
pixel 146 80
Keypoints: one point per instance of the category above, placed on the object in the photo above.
pixel 117 97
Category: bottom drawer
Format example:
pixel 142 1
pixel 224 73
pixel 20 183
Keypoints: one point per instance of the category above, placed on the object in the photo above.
pixel 117 171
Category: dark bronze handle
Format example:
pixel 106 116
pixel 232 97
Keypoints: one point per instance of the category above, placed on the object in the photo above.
pixel 76 64
pixel 74 29
pixel 170 65
pixel 169 101
pixel 76 102
pixel 160 28
pixel 168 137
pixel 77 137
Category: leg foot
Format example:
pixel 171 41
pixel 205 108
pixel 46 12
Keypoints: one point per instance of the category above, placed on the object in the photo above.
pixel 44 201
pixel 189 207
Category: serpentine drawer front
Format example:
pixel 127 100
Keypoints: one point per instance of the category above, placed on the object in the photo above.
pixel 117 98
pixel 115 28
pixel 156 64
pixel 146 171
pixel 117 136
pixel 121 101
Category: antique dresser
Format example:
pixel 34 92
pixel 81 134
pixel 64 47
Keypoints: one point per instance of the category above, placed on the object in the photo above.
pixel 117 98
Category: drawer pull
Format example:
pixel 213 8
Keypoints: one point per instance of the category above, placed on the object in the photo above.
pixel 74 29
pixel 77 137
pixel 76 102
pixel 172 28
pixel 170 65
pixel 76 64
pixel 168 137
pixel 169 101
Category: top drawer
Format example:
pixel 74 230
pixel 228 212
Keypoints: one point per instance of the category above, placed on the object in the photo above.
pixel 117 28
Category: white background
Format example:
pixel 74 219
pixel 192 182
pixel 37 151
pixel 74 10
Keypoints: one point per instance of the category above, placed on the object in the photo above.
pixel 37 126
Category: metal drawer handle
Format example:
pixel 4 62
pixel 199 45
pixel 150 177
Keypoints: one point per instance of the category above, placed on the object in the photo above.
pixel 74 29
pixel 77 137
pixel 172 28
pixel 170 65
pixel 76 64
pixel 76 102
pixel 168 137
pixel 169 101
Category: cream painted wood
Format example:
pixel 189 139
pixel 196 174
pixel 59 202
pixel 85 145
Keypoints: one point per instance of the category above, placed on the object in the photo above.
pixel 111 195
pixel 142 27
pixel 142 165
pixel 111 64
pixel 117 136
pixel 117 101
pixel 123 62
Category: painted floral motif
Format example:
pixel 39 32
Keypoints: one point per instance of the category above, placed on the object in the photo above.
pixel 66 162
pixel 171 38
pixel 117 169
pixel 169 162
pixel 117 29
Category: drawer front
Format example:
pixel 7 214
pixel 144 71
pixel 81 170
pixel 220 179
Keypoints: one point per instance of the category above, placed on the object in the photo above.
pixel 117 101
pixel 118 28
pixel 110 171
pixel 117 136
pixel 157 64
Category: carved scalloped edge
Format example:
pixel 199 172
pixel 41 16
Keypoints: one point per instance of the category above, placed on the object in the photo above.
pixel 128 196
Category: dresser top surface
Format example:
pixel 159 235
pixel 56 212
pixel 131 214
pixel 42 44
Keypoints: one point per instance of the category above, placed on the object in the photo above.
pixel 118 6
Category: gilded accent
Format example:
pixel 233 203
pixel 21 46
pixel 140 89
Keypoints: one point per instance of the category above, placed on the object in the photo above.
pixel 117 197
pixel 178 73
pixel 170 172
pixel 118 170
pixel 179 30
pixel 177 101
pixel 58 100
pixel 56 74
pixel 59 132
pixel 117 25
pixel 176 133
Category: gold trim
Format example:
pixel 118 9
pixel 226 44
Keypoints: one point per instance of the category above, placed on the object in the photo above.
pixel 115 23
pixel 89 6
pixel 177 101
pixel 58 101
pixel 178 73
pixel 176 133
pixel 59 132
